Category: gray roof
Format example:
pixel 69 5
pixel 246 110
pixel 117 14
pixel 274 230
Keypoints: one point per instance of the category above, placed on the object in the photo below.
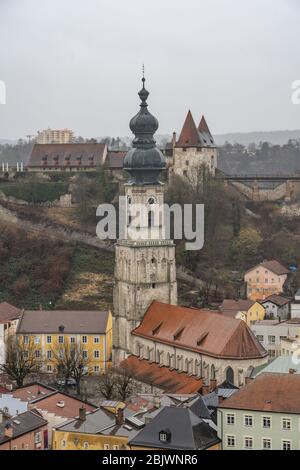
pixel 187 431
pixel 94 423
pixel 280 365
pixel 22 424
pixel 49 321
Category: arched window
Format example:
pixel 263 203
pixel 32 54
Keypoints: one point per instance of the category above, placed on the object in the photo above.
pixel 150 219
pixel 230 375
pixel 212 372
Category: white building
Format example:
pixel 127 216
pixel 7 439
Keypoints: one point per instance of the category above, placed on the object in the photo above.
pixel 271 332
pixel 55 136
pixel 295 305
pixel 9 318
pixel 277 306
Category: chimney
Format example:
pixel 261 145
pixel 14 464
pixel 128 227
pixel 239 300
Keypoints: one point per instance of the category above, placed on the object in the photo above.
pixel 119 416
pixel 8 431
pixel 156 401
pixel 82 413
pixel 213 385
pixel 248 380
pixel 174 139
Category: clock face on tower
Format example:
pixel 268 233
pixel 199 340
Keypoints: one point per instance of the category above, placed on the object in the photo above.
pixel 151 200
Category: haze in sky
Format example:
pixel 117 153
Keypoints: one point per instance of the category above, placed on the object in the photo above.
pixel 78 64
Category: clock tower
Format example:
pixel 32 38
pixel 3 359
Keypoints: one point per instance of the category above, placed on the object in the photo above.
pixel 145 266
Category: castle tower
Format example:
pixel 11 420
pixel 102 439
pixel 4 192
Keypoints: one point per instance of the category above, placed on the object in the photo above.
pixel 195 147
pixel 145 268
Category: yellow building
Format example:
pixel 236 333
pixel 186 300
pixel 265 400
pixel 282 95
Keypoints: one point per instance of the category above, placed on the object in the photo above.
pixel 247 310
pixel 55 136
pixel 49 333
pixel 103 429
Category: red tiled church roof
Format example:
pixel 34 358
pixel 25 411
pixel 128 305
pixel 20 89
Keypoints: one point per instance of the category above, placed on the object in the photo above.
pixel 171 381
pixel 202 331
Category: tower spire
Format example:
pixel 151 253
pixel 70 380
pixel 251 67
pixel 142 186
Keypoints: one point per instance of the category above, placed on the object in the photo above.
pixel 144 161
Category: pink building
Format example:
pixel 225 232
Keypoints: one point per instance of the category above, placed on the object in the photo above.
pixel 26 431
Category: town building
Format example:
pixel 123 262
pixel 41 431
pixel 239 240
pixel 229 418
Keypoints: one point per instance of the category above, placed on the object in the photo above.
pixel 194 149
pixel 279 365
pixel 27 431
pixel 9 318
pixel 277 306
pixel 295 305
pixel 265 279
pixel 176 428
pixel 264 415
pixel 67 157
pixel 270 333
pixel 199 343
pixel 290 347
pixel 108 428
pixel 55 330
pixel 249 311
pixel 55 136
pixel 145 266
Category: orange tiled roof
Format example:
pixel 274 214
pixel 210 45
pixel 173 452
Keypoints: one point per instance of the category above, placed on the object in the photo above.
pixel 273 265
pixel 268 392
pixel 8 312
pixel 203 331
pixel 67 155
pixel 189 136
pixel 171 381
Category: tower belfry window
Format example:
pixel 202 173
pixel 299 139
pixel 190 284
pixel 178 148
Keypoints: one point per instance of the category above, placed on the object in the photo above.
pixel 150 219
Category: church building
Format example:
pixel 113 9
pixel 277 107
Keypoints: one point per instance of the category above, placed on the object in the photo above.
pixel 192 347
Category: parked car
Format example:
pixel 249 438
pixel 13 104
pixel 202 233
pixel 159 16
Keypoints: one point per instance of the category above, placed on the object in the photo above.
pixel 70 382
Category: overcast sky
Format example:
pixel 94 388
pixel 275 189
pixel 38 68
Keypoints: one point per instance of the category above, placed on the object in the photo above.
pixel 77 64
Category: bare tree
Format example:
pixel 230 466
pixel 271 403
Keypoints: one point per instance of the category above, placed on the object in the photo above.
pixel 71 361
pixel 125 384
pixel 107 384
pixel 22 359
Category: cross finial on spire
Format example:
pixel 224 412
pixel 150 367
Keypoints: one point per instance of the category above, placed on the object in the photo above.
pixel 143 79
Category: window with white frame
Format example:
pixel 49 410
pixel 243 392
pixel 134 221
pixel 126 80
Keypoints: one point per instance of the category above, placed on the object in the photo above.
pixel 230 418
pixel 248 442
pixel 266 443
pixel 96 340
pixel 96 369
pixel 49 368
pixel 286 445
pixel 36 340
pixel 60 339
pixel 72 339
pixel 38 437
pixel 96 354
pixel 248 420
pixel 106 446
pixel 260 338
pixel 230 441
pixel 25 354
pixel 49 354
pixel 85 445
pixel 271 339
pixel 286 424
pixel 49 339
pixel 84 339
pixel 25 339
pixel 63 444
pixel 37 353
pixel 84 354
pixel 266 422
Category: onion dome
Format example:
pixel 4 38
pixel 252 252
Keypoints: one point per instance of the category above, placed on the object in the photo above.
pixel 144 161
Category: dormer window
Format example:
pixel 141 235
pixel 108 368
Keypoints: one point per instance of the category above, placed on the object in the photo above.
pixel 165 436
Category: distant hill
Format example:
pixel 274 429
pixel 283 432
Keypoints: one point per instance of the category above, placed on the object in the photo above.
pixel 245 138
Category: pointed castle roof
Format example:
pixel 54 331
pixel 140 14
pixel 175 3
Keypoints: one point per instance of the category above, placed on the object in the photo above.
pixel 190 136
